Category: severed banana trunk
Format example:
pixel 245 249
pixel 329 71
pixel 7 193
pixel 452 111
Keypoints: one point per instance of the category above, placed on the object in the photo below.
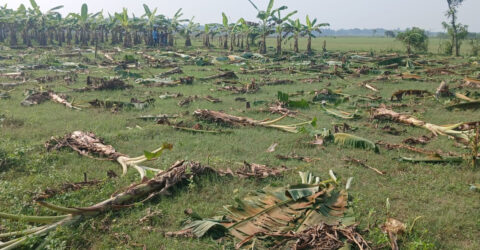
pixel 160 184
pixel 447 130
pixel 216 116
pixel 88 144
pixel 58 99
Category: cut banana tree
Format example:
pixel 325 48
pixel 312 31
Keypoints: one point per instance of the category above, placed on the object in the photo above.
pixel 447 130
pixel 88 144
pixel 159 184
pixel 216 116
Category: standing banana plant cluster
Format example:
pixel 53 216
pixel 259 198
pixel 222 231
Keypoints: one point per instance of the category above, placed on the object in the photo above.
pixel 35 27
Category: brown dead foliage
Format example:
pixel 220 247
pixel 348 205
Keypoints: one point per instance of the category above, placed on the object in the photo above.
pixel 220 117
pixel 297 157
pixel 278 82
pixel 173 71
pixel 104 84
pixel 323 236
pixel 35 99
pixel 393 228
pixel 212 99
pixel 187 100
pixel 65 187
pixel 254 170
pixel 85 143
pixel 420 140
pixel 224 75
pixel 398 95
pixel 391 146
pixel 471 83
pixel 363 164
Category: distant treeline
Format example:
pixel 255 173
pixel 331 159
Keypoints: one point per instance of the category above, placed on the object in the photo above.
pixel 380 32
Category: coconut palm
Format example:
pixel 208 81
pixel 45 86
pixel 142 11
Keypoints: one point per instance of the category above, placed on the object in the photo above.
pixel 310 29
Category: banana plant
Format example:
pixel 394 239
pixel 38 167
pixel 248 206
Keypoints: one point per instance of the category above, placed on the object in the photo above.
pixel 173 24
pixel 84 20
pixel 293 30
pixel 150 22
pixel 280 21
pixel 246 30
pixel 266 23
pixel 125 24
pixel 229 30
pixel 188 30
pixel 311 28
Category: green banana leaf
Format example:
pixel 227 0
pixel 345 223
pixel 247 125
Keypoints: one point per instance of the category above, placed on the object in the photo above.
pixel 466 105
pixel 281 209
pixel 341 114
pixel 434 159
pixel 355 141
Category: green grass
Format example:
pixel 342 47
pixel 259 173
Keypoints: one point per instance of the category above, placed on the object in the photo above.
pixel 438 193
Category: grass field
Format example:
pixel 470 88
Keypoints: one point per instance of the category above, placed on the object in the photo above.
pixel 439 193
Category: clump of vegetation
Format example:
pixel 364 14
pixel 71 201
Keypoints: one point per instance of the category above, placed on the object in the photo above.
pixel 414 39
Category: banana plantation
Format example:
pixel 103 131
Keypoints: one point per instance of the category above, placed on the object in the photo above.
pixel 153 131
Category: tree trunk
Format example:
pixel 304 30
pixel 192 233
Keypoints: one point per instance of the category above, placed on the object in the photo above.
pixel 295 44
pixel 13 35
pixel 170 39
pixel 188 41
pixel 279 44
pixel 309 45
pixel 263 46
pixel 225 42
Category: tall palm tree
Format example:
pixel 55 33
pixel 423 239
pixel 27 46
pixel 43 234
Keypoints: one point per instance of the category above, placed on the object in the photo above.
pixel 311 28
pixel 267 23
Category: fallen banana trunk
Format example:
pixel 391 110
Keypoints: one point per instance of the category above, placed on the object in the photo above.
pixel 40 97
pixel 158 185
pixel 88 144
pixel 220 117
pixel 58 99
pixel 383 113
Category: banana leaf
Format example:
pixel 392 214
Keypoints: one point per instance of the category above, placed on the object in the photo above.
pixel 466 105
pixel 341 114
pixel 355 141
pixel 281 210
pixel 434 159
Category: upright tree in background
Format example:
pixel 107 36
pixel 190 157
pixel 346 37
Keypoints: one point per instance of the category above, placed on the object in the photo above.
pixel 266 23
pixel 415 38
pixel 310 29
pixel 293 31
pixel 454 26
pixel 280 22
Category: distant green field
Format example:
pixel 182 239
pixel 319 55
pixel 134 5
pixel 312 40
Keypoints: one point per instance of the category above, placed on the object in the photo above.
pixel 377 44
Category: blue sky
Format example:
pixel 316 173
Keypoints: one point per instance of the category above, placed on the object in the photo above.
pixel 390 14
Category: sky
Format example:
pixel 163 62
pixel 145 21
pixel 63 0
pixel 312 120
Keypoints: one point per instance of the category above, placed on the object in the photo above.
pixel 341 14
